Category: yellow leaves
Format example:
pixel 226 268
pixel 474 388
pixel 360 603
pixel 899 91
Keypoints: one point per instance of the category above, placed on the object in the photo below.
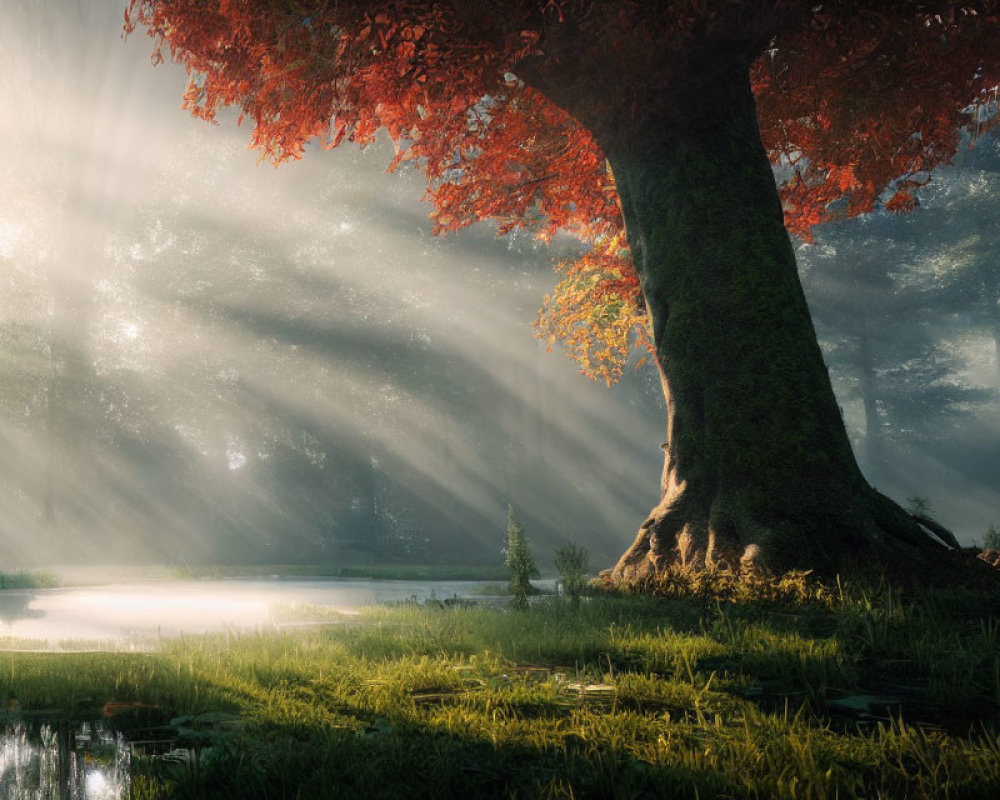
pixel 594 310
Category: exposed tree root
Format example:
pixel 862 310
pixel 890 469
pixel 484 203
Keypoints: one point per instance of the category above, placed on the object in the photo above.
pixel 871 535
pixel 941 532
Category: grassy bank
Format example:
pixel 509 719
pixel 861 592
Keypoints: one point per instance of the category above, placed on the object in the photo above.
pixel 382 572
pixel 788 694
pixel 29 579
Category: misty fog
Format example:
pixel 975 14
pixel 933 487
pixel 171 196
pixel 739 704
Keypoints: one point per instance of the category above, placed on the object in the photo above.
pixel 207 359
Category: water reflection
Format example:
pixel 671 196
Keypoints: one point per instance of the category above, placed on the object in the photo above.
pixel 135 615
pixel 16 604
pixel 87 761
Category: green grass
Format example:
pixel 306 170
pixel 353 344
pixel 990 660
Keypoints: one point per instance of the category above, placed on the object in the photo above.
pixel 23 579
pixel 684 695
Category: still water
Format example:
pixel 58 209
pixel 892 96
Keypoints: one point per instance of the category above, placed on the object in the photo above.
pixel 126 614
pixel 85 761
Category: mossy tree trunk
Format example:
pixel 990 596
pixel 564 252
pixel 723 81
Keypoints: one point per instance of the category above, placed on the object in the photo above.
pixel 756 452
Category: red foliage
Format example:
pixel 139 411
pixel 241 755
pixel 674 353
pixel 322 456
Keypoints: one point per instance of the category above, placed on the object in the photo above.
pixel 857 100
pixel 871 101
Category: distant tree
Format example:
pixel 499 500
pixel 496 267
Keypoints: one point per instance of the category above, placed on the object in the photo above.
pixel 992 538
pixel 958 260
pixel 647 129
pixel 886 332
pixel 919 506
pixel 519 560
pixel 573 563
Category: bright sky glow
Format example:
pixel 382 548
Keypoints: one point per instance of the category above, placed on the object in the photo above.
pixel 207 308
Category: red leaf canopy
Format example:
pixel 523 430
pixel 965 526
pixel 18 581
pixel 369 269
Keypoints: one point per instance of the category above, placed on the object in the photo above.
pixel 857 101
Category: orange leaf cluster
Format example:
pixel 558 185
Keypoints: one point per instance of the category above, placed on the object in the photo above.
pixel 334 70
pixel 523 162
pixel 595 310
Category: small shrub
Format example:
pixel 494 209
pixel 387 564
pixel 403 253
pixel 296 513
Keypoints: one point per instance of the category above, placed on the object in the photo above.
pixel 29 580
pixel 918 506
pixel 519 560
pixel 573 563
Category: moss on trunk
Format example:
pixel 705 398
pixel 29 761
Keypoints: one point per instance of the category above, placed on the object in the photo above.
pixel 757 460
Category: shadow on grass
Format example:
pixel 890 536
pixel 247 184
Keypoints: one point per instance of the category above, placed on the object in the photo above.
pixel 412 761
pixel 621 698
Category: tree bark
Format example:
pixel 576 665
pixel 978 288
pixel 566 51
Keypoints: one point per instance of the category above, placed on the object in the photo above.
pixel 757 462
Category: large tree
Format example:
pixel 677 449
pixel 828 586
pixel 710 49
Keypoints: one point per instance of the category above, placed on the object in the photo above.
pixel 648 130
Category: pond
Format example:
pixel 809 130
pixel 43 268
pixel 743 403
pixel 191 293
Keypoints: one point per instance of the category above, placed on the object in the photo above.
pixel 57 760
pixel 131 615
